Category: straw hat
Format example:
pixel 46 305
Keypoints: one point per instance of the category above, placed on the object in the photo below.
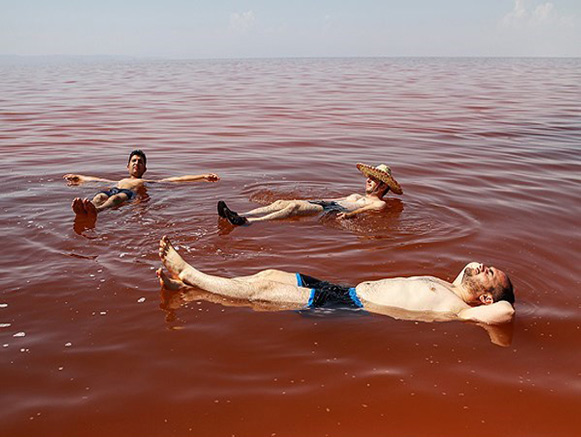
pixel 383 173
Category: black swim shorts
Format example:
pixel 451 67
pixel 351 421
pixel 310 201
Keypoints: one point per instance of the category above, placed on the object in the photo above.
pixel 130 194
pixel 329 205
pixel 327 295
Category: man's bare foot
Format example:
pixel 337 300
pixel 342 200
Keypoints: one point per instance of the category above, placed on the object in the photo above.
pixel 78 207
pixel 170 258
pixel 84 219
pixel 169 283
pixel 90 209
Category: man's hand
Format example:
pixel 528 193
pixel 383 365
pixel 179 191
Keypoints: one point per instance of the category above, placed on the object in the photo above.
pixel 373 207
pixel 211 177
pixel 73 179
pixel 76 179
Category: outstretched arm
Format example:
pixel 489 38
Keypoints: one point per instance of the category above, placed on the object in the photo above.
pixel 209 177
pixel 496 313
pixel 77 179
pixel 372 207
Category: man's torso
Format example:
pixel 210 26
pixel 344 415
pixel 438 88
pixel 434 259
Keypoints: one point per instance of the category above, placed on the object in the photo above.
pixel 418 293
pixel 356 201
pixel 132 184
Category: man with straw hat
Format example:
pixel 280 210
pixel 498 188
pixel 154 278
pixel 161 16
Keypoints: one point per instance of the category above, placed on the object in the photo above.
pixel 379 182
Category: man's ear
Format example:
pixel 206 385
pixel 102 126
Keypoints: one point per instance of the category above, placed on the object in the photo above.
pixel 486 298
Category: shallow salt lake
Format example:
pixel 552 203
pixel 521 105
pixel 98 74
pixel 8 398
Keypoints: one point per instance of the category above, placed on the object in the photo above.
pixel 486 150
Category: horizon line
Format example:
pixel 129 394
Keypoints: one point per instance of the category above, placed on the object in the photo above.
pixel 193 58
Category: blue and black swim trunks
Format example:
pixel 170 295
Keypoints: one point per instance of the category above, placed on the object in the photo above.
pixel 327 295
pixel 130 194
pixel 329 205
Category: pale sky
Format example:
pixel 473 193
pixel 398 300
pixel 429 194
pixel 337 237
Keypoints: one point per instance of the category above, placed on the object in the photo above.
pixel 290 28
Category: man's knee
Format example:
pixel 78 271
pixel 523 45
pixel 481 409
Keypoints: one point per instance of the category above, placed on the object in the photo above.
pixel 117 199
pixel 272 275
pixel 100 198
pixel 268 274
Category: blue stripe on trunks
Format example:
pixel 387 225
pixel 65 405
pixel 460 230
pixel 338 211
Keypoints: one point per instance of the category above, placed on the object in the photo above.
pixel 300 284
pixel 299 280
pixel 354 298
pixel 311 298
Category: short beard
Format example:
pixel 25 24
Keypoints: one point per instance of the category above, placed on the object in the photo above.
pixel 468 272
pixel 475 287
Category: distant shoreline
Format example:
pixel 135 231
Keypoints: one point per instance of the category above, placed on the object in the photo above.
pixel 92 59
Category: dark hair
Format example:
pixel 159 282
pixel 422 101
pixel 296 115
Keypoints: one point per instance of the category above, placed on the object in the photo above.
pixel 503 292
pixel 138 153
pixel 385 190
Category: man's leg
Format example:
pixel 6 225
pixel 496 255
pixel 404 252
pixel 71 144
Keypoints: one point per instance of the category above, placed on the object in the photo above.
pixel 288 206
pixel 99 199
pixel 291 210
pixel 277 210
pixel 269 285
pixel 99 202
pixel 224 211
pixel 112 201
pixel 274 206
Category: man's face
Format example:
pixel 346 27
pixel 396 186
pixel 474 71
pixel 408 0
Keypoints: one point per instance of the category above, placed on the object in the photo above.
pixel 136 166
pixel 371 185
pixel 479 279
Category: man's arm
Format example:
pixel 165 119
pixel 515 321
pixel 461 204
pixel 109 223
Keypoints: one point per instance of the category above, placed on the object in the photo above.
pixel 372 207
pixel 77 179
pixel 496 313
pixel 209 177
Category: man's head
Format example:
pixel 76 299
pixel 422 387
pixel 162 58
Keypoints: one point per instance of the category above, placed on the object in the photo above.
pixel 379 180
pixel 375 186
pixel 137 163
pixel 485 285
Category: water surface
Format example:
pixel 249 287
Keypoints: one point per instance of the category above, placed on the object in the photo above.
pixel 486 150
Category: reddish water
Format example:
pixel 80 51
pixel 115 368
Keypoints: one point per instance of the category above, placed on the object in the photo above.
pixel 488 154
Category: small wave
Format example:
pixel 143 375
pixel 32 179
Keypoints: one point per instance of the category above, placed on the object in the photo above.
pixel 411 223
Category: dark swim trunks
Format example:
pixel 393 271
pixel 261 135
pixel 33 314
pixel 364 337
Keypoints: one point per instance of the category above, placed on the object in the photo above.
pixel 130 194
pixel 329 205
pixel 327 295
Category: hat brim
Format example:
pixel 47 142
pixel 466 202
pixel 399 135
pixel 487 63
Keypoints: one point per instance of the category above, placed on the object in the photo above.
pixel 383 176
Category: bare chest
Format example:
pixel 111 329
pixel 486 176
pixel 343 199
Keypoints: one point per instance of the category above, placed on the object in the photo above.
pixel 354 201
pixel 130 183
pixel 412 294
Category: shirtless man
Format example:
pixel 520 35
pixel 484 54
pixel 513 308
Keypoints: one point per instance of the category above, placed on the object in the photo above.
pixel 379 182
pixel 479 293
pixel 124 190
